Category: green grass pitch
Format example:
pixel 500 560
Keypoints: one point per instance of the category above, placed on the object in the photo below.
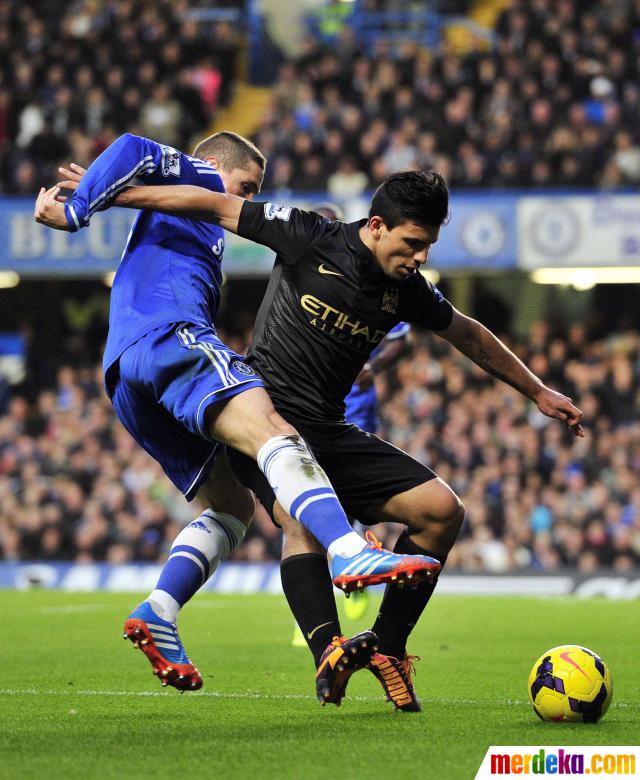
pixel 76 701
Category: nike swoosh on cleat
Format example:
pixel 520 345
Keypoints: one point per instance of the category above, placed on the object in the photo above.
pixel 566 657
pixel 317 628
pixel 326 271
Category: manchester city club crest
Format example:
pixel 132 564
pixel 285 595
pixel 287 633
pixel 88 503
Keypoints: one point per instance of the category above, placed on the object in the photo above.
pixel 390 300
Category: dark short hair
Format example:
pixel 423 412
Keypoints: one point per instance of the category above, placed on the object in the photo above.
pixel 231 150
pixel 421 197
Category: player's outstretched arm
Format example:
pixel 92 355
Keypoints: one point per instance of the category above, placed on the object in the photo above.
pixel 185 200
pixel 486 350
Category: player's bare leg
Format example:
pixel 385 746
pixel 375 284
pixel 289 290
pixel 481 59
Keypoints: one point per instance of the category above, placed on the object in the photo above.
pixel 194 556
pixel 433 515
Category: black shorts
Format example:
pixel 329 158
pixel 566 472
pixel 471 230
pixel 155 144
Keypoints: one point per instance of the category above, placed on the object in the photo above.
pixel 364 470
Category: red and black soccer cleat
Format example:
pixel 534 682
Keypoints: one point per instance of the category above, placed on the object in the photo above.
pixel 339 661
pixel 395 677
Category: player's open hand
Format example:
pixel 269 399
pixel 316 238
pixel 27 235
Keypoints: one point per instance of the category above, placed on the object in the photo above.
pixel 72 176
pixel 49 211
pixel 554 404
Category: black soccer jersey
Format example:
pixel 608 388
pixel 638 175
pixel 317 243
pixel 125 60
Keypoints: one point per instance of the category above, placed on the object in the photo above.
pixel 327 306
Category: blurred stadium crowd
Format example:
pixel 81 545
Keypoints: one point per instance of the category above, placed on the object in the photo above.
pixel 554 103
pixel 140 66
pixel 75 486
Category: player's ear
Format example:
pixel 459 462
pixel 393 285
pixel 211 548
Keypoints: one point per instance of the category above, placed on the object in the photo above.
pixel 212 161
pixel 375 225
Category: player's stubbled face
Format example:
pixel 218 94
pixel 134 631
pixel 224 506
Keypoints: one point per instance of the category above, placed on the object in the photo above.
pixel 243 182
pixel 402 251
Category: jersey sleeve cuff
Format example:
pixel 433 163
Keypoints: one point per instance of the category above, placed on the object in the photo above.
pixel 72 218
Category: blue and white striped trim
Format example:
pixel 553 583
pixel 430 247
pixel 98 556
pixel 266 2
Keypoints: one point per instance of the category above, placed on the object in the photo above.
pixel 220 361
pixel 202 468
pixel 269 459
pixel 198 161
pixel 187 551
pixel 310 497
pixel 164 637
pixel 365 564
pixel 399 331
pixel 74 216
pixel 146 165
pixel 233 542
pixel 253 381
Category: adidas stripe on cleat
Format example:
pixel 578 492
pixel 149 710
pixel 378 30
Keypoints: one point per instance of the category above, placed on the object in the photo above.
pixel 160 642
pixel 339 661
pixel 395 677
pixel 374 565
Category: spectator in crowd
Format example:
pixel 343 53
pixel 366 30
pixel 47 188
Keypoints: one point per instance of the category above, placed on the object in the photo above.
pixel 554 104
pixel 78 68
pixel 73 486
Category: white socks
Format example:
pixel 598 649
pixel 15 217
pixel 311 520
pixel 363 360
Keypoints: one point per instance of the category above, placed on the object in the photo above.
pixel 194 556
pixel 347 546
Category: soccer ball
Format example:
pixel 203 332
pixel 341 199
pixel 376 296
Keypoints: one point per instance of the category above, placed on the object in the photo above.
pixel 570 683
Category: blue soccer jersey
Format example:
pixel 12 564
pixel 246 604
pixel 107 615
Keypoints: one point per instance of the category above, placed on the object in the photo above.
pixel 361 405
pixel 170 269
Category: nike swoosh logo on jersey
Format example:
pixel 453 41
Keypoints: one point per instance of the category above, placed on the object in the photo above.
pixel 326 271
pixel 317 628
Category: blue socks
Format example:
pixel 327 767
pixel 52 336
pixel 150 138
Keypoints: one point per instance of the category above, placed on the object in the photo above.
pixel 193 558
pixel 304 491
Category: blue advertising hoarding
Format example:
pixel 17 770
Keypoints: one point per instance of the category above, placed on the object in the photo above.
pixel 487 231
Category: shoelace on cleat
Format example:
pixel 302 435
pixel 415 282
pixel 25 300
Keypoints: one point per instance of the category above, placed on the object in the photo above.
pixel 372 540
pixel 408 665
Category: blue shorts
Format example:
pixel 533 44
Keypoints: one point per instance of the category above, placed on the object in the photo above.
pixel 160 389
pixel 361 408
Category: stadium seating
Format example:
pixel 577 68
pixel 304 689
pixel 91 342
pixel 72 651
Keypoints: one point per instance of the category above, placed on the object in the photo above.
pixel 137 67
pixel 74 485
pixel 552 104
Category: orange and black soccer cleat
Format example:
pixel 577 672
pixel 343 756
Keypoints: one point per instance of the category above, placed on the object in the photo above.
pixel 160 642
pixel 395 678
pixel 374 565
pixel 339 661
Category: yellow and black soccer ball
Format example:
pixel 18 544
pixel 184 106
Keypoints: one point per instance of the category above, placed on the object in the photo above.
pixel 570 683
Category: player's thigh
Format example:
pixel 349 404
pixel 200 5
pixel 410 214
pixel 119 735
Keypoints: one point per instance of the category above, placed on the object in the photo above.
pixel 204 385
pixel 246 421
pixel 432 502
pixel 365 471
pixel 222 492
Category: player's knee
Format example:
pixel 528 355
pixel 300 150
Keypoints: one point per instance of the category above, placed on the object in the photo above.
pixel 456 517
pixel 447 510
pixel 280 427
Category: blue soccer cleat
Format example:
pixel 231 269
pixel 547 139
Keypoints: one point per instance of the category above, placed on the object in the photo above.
pixel 159 641
pixel 374 565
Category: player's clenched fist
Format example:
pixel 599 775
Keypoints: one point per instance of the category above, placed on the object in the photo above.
pixel 49 211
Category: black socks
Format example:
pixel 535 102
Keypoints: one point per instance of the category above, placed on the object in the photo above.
pixel 401 608
pixel 309 590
